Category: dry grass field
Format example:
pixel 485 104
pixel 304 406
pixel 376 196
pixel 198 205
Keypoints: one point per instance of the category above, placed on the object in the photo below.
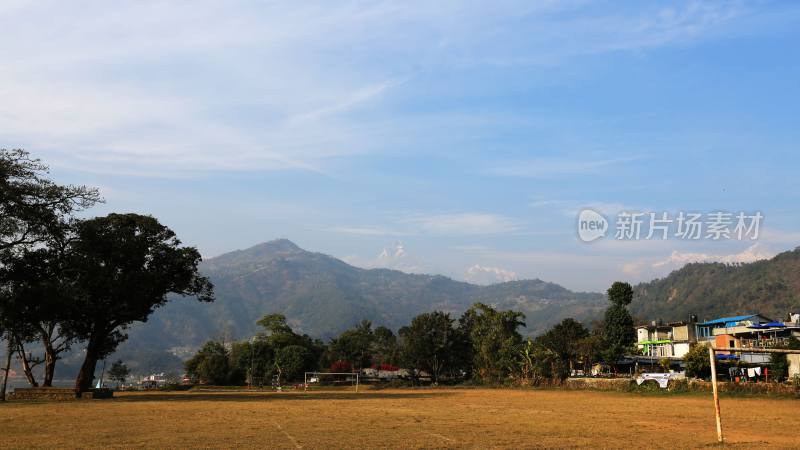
pixel 434 418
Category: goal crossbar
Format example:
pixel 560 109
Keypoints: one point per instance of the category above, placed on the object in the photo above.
pixel 712 351
pixel 317 374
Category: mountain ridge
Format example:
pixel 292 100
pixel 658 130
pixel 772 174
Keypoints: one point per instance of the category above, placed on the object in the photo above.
pixel 322 295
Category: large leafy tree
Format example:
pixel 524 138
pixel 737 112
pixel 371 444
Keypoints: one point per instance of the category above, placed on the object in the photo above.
pixel 495 340
pixel 278 334
pixel 210 365
pixel 433 344
pixel 291 361
pixel 354 345
pixel 698 363
pixel 251 361
pixel 125 266
pixel 618 327
pixel 780 363
pixel 565 340
pixel 275 326
pixel 32 207
pixel 35 212
pixel 119 372
pixel 275 351
pixel 40 296
pixel 385 348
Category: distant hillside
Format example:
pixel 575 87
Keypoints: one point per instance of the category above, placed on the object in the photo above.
pixel 322 296
pixel 770 287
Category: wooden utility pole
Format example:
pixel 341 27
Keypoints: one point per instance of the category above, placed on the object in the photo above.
pixel 712 357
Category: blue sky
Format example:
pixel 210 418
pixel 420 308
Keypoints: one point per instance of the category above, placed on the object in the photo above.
pixel 459 138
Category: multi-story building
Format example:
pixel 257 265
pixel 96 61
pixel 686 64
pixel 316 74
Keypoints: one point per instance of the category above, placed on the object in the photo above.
pixel 670 340
pixel 750 331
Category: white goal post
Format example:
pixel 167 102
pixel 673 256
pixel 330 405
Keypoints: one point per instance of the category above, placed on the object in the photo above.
pixel 712 352
pixel 314 377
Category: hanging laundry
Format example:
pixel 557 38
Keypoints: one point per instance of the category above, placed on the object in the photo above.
pixel 758 371
pixel 751 373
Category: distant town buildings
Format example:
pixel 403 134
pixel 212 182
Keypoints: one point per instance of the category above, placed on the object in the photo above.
pixel 657 340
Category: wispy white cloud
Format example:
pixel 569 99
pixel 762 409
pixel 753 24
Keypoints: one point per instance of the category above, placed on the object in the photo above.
pixel 454 224
pixel 462 223
pixel 170 89
pixel 755 252
pixel 370 231
pixel 648 268
pixel 469 248
pixel 556 167
pixel 479 274
pixel 349 101
pixel 571 208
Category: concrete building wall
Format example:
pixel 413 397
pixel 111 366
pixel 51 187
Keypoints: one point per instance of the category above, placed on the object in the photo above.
pixel 794 365
pixel 725 340
pixel 680 333
pixel 681 349
pixel 756 358
pixel 642 335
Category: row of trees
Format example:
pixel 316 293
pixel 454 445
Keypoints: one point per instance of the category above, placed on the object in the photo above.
pixel 484 345
pixel 275 351
pixel 66 281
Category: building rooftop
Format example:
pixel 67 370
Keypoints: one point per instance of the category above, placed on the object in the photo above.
pixel 731 321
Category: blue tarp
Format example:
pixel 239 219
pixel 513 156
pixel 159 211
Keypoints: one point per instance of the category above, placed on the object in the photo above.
pixel 727 320
pixel 762 326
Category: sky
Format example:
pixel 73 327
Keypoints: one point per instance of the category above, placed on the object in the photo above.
pixel 456 138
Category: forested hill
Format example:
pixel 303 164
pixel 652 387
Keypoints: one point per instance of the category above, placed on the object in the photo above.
pixel 770 287
pixel 322 296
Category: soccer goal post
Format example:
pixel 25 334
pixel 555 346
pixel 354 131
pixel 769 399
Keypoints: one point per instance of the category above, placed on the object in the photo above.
pixel 712 354
pixel 331 379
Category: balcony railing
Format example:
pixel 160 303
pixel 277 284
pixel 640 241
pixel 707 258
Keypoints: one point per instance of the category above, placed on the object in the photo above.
pixel 765 343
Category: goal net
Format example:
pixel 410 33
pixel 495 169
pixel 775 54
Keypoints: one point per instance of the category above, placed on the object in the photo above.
pixel 331 380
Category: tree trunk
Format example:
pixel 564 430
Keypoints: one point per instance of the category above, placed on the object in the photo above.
pixel 27 369
pixel 7 370
pixel 49 360
pixel 49 371
pixel 83 382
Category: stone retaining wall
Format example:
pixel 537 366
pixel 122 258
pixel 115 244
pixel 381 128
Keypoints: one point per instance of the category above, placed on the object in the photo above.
pixel 42 393
pixel 746 388
pixel 603 384
pixel 58 394
pixel 627 384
